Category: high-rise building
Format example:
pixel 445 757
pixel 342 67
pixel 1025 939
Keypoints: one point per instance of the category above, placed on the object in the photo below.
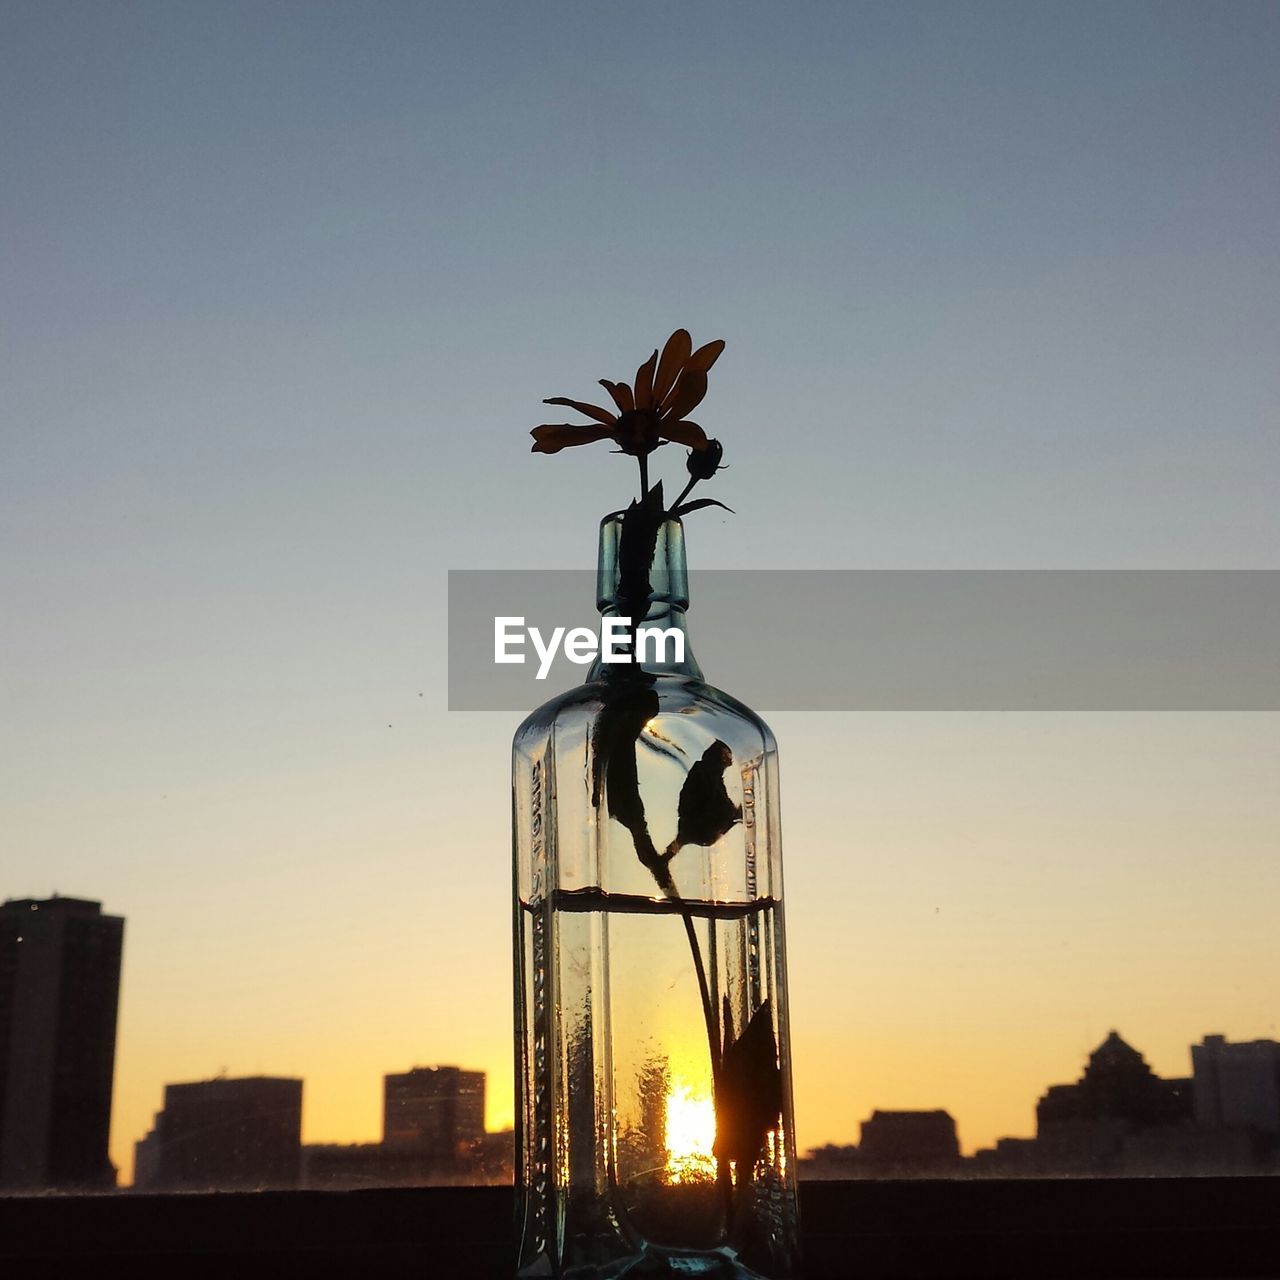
pixel 1237 1086
pixel 222 1135
pixel 59 996
pixel 438 1108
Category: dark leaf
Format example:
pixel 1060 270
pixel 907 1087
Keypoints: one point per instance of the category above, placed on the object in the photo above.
pixel 627 710
pixel 639 537
pixel 705 811
pixel 685 508
pixel 749 1097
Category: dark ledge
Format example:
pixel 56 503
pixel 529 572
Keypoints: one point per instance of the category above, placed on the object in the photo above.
pixel 1035 1229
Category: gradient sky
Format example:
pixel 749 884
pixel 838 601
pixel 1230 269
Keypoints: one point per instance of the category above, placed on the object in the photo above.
pixel 282 286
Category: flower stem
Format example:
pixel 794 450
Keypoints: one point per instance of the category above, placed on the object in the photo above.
pixel 643 460
pixel 662 874
pixel 708 1011
pixel 685 492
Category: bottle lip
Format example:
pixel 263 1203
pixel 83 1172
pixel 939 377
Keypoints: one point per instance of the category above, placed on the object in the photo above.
pixel 615 517
pixel 668 576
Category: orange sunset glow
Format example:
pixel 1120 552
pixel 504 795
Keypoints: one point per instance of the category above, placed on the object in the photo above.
pixel 990 287
pixel 689 1132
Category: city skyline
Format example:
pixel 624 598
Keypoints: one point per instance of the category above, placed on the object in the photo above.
pixel 285 289
pixel 443 1108
pixel 1119 1118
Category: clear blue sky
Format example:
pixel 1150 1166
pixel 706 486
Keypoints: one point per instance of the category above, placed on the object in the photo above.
pixel 282 286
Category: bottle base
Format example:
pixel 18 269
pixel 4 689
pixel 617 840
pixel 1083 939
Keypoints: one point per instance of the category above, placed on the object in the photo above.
pixel 655 1264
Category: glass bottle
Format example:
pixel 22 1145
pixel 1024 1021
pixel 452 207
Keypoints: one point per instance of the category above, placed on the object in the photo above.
pixel 654 1130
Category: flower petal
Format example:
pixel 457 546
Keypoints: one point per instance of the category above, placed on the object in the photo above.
pixel 704 357
pixel 674 354
pixel 688 434
pixel 687 395
pixel 554 436
pixel 620 393
pixel 591 410
pixel 644 382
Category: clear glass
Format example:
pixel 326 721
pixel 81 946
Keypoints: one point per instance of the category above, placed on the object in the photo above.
pixel 654 1131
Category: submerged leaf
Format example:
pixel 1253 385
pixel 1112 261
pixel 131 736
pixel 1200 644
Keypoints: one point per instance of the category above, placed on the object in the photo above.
pixel 749 1099
pixel 613 763
pixel 706 812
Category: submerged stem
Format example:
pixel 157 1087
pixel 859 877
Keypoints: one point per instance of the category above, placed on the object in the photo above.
pixel 704 990
pixel 723 1180
pixel 663 876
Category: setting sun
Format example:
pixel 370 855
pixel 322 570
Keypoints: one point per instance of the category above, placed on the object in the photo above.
pixel 690 1134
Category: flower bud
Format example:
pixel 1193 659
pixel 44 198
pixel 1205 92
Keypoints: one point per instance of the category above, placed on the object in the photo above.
pixel 704 463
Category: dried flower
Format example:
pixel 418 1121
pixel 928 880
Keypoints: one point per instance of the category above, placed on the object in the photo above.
pixel 653 410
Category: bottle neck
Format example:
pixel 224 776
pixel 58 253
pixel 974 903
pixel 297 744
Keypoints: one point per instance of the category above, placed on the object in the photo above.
pixel 655 601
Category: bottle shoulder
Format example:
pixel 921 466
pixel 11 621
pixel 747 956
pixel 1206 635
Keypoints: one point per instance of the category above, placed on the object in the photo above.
pixel 681 696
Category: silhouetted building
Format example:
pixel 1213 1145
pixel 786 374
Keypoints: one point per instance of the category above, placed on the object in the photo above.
pixel 1237 1086
pixel 490 1161
pixel 1085 1127
pixel 146 1160
pixel 830 1163
pixel 439 1109
pixel 1009 1158
pixel 59 996
pixel 486 1162
pixel 1189 1149
pixel 433 1134
pixel 906 1142
pixel 214 1135
pixel 350 1167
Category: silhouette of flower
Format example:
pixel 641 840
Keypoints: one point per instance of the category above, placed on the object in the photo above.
pixel 746 1077
pixel 647 413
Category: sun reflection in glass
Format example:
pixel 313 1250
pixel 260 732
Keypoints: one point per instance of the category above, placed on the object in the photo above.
pixel 690 1134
